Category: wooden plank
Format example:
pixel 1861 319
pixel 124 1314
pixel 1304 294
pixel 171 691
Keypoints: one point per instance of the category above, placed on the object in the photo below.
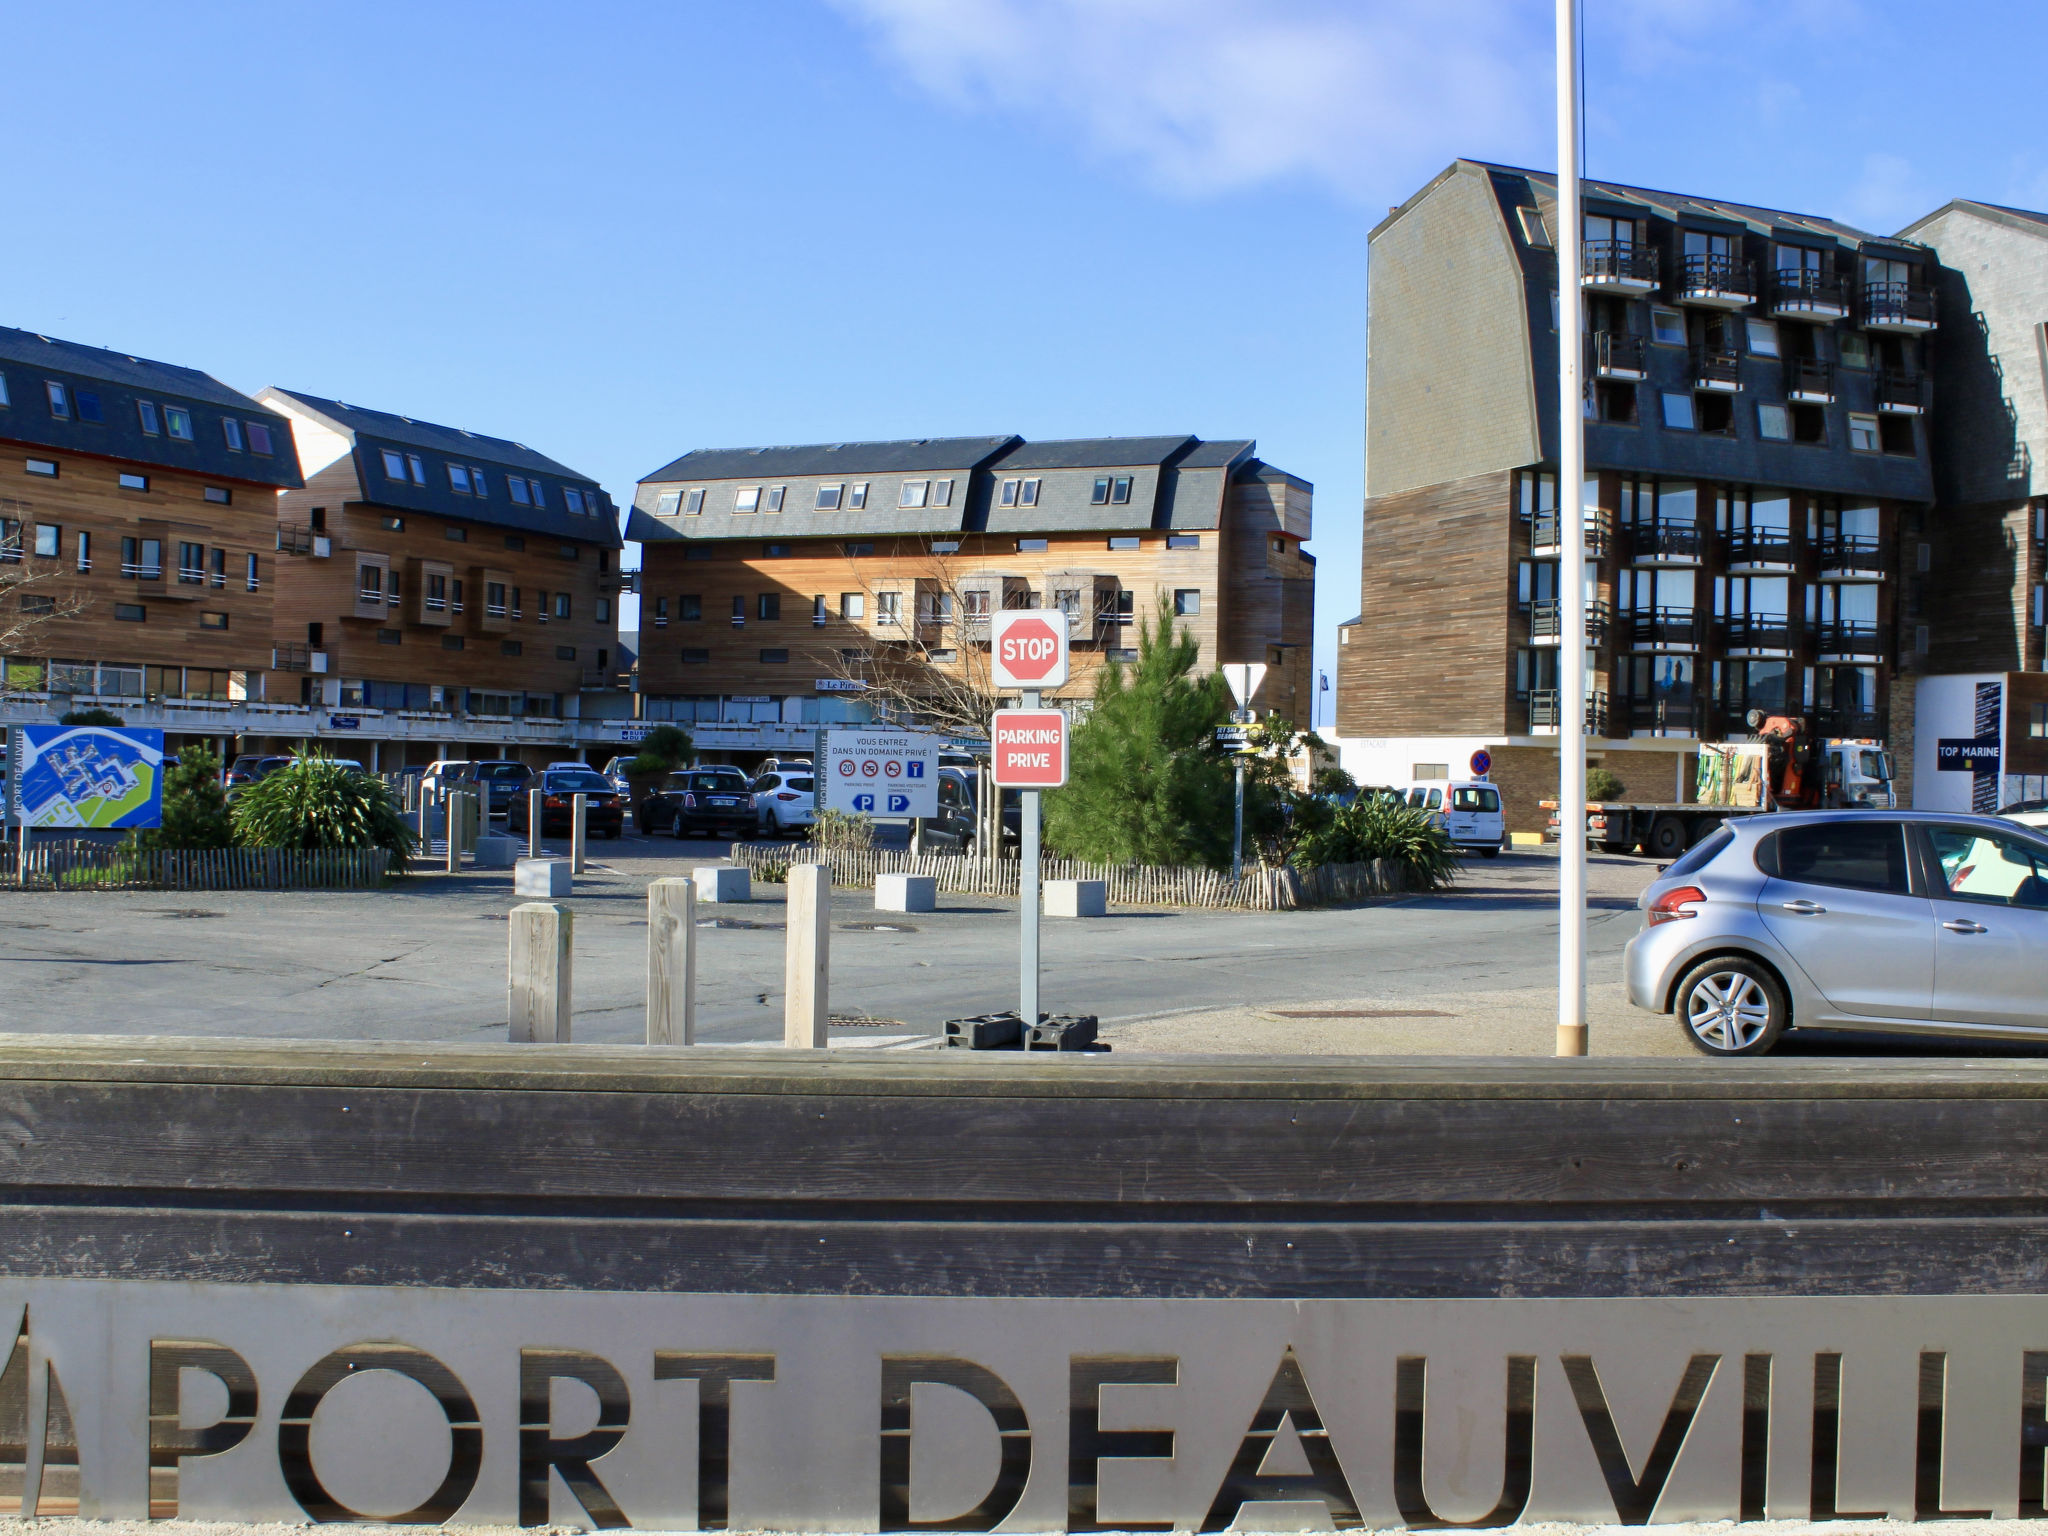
pixel 538 970
pixel 671 962
pixel 807 957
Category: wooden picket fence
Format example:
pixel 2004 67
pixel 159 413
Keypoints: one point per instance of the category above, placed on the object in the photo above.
pixel 87 866
pixel 1261 889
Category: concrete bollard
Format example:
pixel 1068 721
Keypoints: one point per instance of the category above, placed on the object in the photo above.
pixel 1077 898
pixel 533 814
pixel 906 893
pixel 578 832
pixel 542 877
pixel 671 963
pixel 496 852
pixel 452 820
pixel 722 883
pixel 537 972
pixel 806 956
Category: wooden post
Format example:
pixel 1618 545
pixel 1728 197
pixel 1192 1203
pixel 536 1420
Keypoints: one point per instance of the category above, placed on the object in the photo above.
pixel 537 965
pixel 805 958
pixel 577 833
pixel 534 798
pixel 671 962
pixel 451 821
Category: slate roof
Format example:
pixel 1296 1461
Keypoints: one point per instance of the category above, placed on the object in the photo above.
pixel 456 443
pixel 903 456
pixel 118 380
pixel 1091 453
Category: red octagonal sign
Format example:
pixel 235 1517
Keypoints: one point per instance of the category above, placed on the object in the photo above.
pixel 1028 648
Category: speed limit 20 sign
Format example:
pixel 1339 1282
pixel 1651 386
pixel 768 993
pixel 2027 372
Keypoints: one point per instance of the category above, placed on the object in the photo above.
pixel 1028 648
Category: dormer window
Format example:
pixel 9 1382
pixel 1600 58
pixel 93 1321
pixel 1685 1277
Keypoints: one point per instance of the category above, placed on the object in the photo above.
pixel 517 487
pixel 573 498
pixel 259 438
pixel 145 414
pixel 394 465
pixel 178 422
pixel 478 486
pixel 458 478
pixel 231 432
pixel 60 399
pixel 693 501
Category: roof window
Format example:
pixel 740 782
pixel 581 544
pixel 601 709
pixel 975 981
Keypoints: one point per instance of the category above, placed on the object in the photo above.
pixel 538 491
pixel 60 399
pixel 88 403
pixel 914 493
pixel 829 497
pixel 259 438
pixel 418 467
pixel 178 422
pixel 458 478
pixel 573 499
pixel 394 464
pixel 517 487
pixel 231 430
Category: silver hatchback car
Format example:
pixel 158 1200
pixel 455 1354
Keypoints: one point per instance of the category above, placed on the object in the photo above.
pixel 1916 922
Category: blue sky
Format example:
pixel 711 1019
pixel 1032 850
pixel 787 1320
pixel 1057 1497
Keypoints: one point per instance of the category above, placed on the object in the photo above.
pixel 617 231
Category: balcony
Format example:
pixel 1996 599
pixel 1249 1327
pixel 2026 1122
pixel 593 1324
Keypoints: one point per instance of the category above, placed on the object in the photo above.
pixel 1850 724
pixel 1546 712
pixel 1758 634
pixel 1716 282
pixel 1664 629
pixel 1760 548
pixel 1665 541
pixel 1900 391
pixel 1717 369
pixel 1851 557
pixel 1546 623
pixel 288 657
pixel 1618 355
pixel 1667 715
pixel 1618 266
pixel 1850 640
pixel 1810 380
pixel 1898 307
pixel 1799 293
pixel 301 539
pixel 1546 534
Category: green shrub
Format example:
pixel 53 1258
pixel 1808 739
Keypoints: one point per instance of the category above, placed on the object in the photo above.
pixel 1602 784
pixel 662 750
pixel 90 717
pixel 195 806
pixel 1378 829
pixel 843 829
pixel 314 802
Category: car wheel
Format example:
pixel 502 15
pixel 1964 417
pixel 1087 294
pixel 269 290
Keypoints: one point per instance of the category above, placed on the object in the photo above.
pixel 1667 838
pixel 1489 853
pixel 1730 1006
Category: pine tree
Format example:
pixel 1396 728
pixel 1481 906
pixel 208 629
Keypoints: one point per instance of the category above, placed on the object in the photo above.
pixel 1145 784
pixel 195 806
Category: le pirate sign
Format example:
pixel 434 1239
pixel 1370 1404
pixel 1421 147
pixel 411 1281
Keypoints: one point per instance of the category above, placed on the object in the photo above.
pixel 823 1413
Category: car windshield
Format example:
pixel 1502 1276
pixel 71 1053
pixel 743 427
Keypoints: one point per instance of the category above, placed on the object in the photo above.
pixel 707 783
pixel 583 781
pixel 1475 799
pixel 501 770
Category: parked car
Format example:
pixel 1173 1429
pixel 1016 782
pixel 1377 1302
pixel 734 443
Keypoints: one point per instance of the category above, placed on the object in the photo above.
pixel 699 802
pixel 954 826
pixel 2028 813
pixel 499 781
pixel 1470 813
pixel 1920 923
pixel 781 764
pixel 442 771
pixel 615 770
pixel 248 767
pixel 785 801
pixel 604 809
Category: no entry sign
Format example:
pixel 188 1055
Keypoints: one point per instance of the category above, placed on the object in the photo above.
pixel 1028 648
pixel 1030 748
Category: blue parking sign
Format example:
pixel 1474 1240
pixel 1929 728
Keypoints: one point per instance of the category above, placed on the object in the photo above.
pixel 863 802
pixel 898 804
pixel 913 768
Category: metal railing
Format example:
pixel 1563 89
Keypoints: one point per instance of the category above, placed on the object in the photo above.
pixel 1868 724
pixel 1901 390
pixel 1668 715
pixel 1716 368
pixel 1760 544
pixel 294 539
pixel 1664 627
pixel 1546 621
pixel 290 657
pixel 1801 290
pixel 1665 538
pixel 1546 533
pixel 1859 553
pixel 1618 262
pixel 1758 631
pixel 192 575
pixel 1899 304
pixel 1716 277
pixel 1617 353
pixel 141 571
pixel 1849 637
pixel 1546 710
pixel 1809 378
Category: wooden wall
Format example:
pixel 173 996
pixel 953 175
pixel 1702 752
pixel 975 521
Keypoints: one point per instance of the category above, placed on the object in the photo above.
pixel 1269 599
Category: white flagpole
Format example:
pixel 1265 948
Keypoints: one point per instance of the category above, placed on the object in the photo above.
pixel 1571 435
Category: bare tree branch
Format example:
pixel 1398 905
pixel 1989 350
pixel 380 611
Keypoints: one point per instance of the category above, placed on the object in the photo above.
pixel 32 599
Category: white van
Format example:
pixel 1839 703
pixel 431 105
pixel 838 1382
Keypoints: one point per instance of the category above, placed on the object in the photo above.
pixel 1469 810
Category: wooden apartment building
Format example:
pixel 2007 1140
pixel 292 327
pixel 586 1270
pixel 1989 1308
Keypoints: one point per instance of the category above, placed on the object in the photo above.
pixel 139 497
pixel 455 582
pixel 776 582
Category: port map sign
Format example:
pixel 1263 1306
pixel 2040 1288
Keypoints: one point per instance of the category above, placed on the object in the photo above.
pixel 91 776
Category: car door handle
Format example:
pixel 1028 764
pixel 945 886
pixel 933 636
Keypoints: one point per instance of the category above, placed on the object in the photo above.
pixel 1805 908
pixel 1964 925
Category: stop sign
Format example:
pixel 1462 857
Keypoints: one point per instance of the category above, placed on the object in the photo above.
pixel 1028 648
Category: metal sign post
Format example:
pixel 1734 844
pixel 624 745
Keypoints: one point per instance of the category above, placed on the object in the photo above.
pixel 1237 832
pixel 1028 652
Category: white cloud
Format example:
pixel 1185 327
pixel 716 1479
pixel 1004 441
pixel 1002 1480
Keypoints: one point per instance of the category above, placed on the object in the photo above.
pixel 1204 95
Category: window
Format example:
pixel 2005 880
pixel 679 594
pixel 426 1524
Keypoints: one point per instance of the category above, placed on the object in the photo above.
pixel 1120 492
pixel 690 608
pixel 1027 494
pixel 693 501
pixel 561 605
pixel 1809 424
pixel 1865 856
pixel 1125 541
pixel 145 413
pixel 776 495
pixel 369 583
pixel 46 467
pixel 49 536
pixel 1187 601
pixel 775 658
pixel 775 551
pixel 1773 422
pixel 1533 232
pixel 975 604
pixel 747 499
pixel 1895 434
pixel 2037 723
pixel 134 482
pixel 494 599
pixel 259 438
pixel 219 495
pixel 231 430
pixel 178 422
pixel 572 499
pixel 1667 327
pixel 60 399
pixel 857 497
pixel 945 546
pixel 391 637
pixel 1614 401
pixel 739 611
pixel 604 610
pixel 1678 412
pixel 391 524
pixel 829 497
pixel 565 653
pixel 853 605
pixel 1715 413
pixel 455 534
pixel 569 551
pixel 1862 433
pixel 1855 350
pixel 142 558
pixel 458 479
pixel 394 465
pixel 889 608
pixel 1183 541
pixel 1007 496
pixel 856 551
pixel 913 493
pixel 88 403
pixel 513 484
pixel 131 613
pixel 1986 867
pixel 1763 338
pixel 768 606
pixel 437 593
pixel 695 656
pixel 668 503
pixel 220 568
pixel 451 642
pixel 1032 546
pixel 515 541
pixel 418 466
pixel 1098 496
pixel 511 647
pixel 191 564
pixel 85 551
pixel 1126 608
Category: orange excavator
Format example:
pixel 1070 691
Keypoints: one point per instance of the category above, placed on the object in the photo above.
pixel 1795 762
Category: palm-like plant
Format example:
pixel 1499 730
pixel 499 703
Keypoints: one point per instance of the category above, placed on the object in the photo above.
pixel 316 802
pixel 1376 828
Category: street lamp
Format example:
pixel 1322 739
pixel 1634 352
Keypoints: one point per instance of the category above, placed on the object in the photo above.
pixel 1571 436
